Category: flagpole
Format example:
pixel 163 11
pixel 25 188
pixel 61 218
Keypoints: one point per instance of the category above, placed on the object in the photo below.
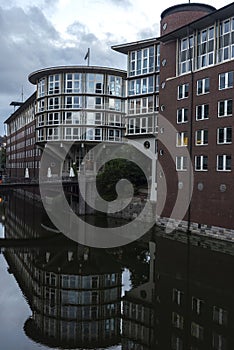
pixel 88 56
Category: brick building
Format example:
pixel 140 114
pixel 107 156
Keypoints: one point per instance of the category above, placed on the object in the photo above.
pixel 195 95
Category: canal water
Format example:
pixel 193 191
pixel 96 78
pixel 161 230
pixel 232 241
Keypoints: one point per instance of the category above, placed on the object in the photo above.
pixel 165 291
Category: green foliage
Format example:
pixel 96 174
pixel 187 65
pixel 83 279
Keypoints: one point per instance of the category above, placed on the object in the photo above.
pixel 115 170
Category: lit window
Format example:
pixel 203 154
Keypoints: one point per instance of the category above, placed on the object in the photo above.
pixel 201 137
pixel 182 139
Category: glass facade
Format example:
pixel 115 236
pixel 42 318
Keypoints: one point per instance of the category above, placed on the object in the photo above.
pixel 206 47
pixel 90 102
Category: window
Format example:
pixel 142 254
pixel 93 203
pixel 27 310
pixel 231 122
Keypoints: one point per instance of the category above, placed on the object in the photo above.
pixel 186 55
pixel 224 162
pixel 53 133
pixel 201 137
pixel 141 86
pixel 225 108
pixel 197 305
pixel 72 118
pixel 40 135
pixel 176 343
pixel 219 342
pixel 73 82
pixel 202 112
pixel 224 135
pixel 72 133
pixel 182 115
pixel 41 105
pixel 226 43
pixel 182 139
pixel 54 102
pixel 94 102
pixel 225 80
pixel 73 102
pixel 220 315
pixel 140 105
pixel 93 134
pixel 177 320
pixel 113 104
pixel 141 61
pixel 41 88
pixel 205 48
pixel 40 120
pixel 181 163
pixel 94 83
pixel 201 163
pixel 203 86
pixel 114 86
pixel 53 118
pixel 177 296
pixel 197 331
pixel 183 91
pixel 114 135
pixel 54 84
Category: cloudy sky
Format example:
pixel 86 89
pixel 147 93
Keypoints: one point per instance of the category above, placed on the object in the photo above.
pixel 35 34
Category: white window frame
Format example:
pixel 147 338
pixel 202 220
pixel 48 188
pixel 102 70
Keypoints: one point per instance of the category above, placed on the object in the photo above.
pixel 177 296
pixel 184 117
pixel 224 162
pixel 203 160
pixel 182 139
pixel 55 103
pixel 197 331
pixel 220 315
pixel 228 80
pixel 203 136
pixel 75 81
pixel 181 163
pixel 53 118
pixel 54 84
pixel 225 108
pixel 203 107
pixel 203 86
pixel 177 320
pixel 183 91
pixel 225 135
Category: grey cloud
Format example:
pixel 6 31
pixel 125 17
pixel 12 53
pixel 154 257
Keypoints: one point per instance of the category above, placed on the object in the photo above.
pixel 150 32
pixel 122 3
pixel 29 42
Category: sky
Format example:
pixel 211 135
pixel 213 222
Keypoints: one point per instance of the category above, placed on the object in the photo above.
pixel 36 34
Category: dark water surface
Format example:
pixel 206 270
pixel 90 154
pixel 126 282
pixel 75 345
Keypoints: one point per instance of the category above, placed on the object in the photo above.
pixel 163 292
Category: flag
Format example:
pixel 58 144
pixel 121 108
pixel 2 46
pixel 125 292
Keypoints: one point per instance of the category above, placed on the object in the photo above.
pixel 87 55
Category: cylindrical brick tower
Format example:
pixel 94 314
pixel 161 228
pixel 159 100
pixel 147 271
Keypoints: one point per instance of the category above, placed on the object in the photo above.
pixel 179 15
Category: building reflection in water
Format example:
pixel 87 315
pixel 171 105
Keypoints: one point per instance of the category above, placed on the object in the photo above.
pixel 188 302
pixel 74 292
pixel 184 302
